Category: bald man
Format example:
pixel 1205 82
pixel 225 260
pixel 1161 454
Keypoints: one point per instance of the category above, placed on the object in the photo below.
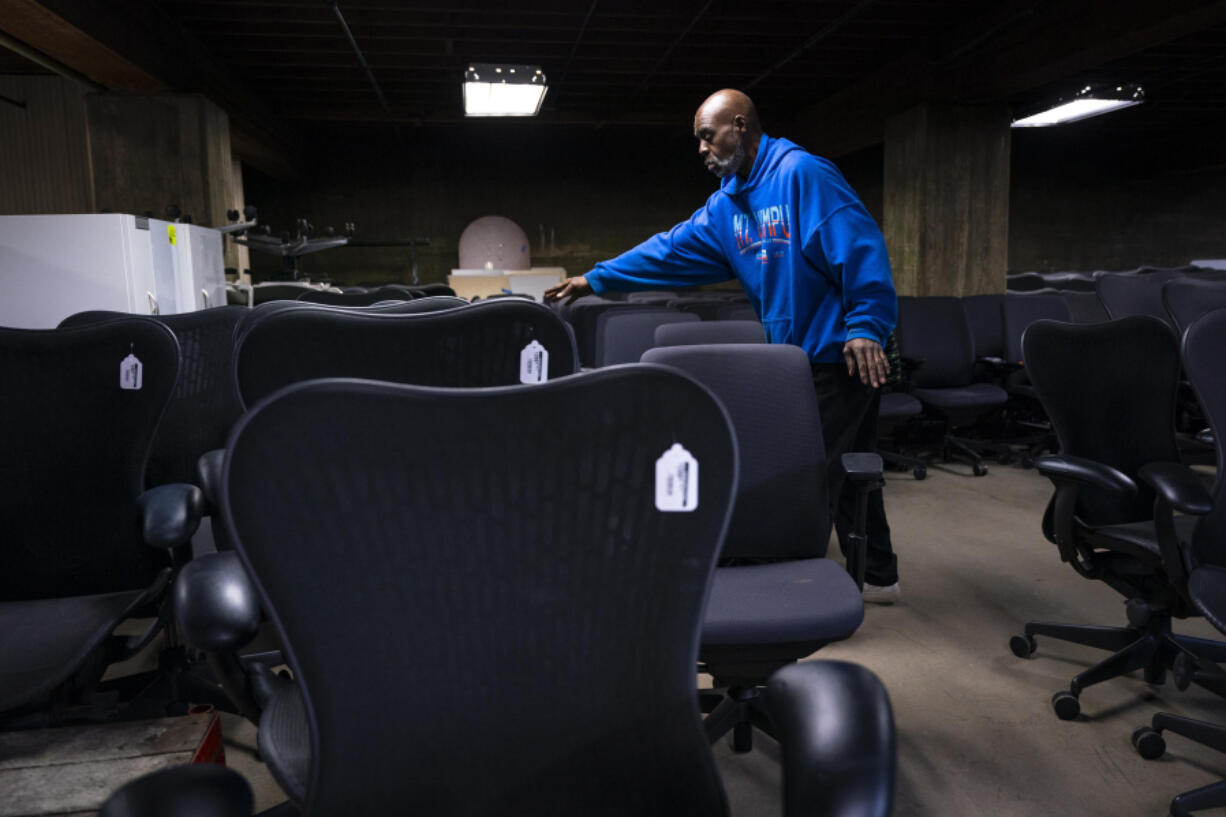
pixel 786 224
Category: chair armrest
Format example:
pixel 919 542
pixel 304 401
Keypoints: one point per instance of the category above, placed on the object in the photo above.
pixel 216 606
pixel 862 467
pixel 1063 468
pixel 1178 486
pixel 192 790
pixel 1000 366
pixel 170 514
pixel 208 474
pixel 836 736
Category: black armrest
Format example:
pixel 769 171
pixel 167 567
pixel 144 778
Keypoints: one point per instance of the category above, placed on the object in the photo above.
pixel 216 606
pixel 1001 366
pixel 1178 486
pixel 862 467
pixel 192 790
pixel 836 736
pixel 208 474
pixel 171 514
pixel 1064 468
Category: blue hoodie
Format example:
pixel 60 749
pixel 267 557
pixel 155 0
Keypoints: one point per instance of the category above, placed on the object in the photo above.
pixel 795 234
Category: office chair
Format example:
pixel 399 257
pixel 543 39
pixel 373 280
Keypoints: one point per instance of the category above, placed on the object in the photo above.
pixel 1024 422
pixel 370 296
pixel 983 316
pixel 704 332
pixel 1187 299
pixel 933 331
pixel 736 312
pixel 1085 307
pixel 1109 390
pixel 85 546
pixel 540 590
pixel 776 599
pixel 205 404
pixel 1130 293
pixel 622 335
pixel 1204 551
pixel 706 307
pixel 435 289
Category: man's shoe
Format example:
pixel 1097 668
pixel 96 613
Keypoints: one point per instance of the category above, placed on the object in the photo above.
pixel 875 594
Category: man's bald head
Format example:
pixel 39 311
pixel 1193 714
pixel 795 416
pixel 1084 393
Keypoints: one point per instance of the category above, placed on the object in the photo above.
pixel 728 132
pixel 728 104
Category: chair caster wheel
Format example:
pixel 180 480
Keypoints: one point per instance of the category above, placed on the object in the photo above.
pixel 979 469
pixel 1023 646
pixel 920 472
pixel 1066 705
pixel 1184 669
pixel 1148 743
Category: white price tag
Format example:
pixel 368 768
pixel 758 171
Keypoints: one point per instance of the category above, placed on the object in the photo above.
pixel 534 363
pixel 676 480
pixel 130 373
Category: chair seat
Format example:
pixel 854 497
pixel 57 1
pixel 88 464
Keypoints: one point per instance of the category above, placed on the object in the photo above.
pixel 284 740
pixel 976 395
pixel 807 601
pixel 898 404
pixel 1143 535
pixel 44 641
pixel 1207 587
pixel 1025 390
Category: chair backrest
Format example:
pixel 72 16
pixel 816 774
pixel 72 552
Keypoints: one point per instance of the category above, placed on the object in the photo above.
pixel 1085 307
pixel 622 335
pixel 768 391
pixel 1025 282
pixel 706 308
pixel 658 297
pixel 205 405
pixel 1186 299
pixel 370 296
pixel 1125 294
pixel 985 318
pixel 520 589
pixel 74 456
pixel 934 329
pixel 1203 343
pixel 583 315
pixel 1109 390
pixel 284 290
pixel 736 312
pixel 704 332
pixel 436 289
pixel 476 345
pixel 429 304
pixel 1020 311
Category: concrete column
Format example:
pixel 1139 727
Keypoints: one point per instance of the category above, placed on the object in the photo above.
pixel 154 150
pixel 946 219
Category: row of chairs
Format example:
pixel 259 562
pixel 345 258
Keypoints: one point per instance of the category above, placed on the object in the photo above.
pixel 1074 281
pixel 316 459
pixel 1128 513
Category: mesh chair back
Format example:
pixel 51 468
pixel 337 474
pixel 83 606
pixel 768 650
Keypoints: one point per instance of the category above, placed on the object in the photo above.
pixel 476 345
pixel 1020 311
pixel 535 616
pixel 1125 294
pixel 706 332
pixel 1085 307
pixel 1109 390
pixel 436 289
pixel 934 329
pixel 768 390
pixel 1186 299
pixel 263 293
pixel 205 405
pixel 984 317
pixel 74 457
pixel 370 296
pixel 1202 359
pixel 583 315
pixel 622 335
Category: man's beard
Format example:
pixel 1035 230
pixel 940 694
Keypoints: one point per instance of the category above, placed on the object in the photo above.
pixel 727 167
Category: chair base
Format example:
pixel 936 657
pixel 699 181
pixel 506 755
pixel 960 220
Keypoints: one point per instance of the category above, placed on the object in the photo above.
pixel 1150 745
pixel 734 712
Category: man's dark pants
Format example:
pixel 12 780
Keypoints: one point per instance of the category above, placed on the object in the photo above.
pixel 849 423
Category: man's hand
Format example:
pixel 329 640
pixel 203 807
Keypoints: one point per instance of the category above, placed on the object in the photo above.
pixel 868 358
pixel 569 289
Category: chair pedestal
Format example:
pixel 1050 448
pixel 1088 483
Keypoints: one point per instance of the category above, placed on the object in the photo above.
pixel 737 710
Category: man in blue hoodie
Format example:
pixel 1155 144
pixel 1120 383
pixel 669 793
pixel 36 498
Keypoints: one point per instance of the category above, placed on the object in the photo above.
pixel 813 262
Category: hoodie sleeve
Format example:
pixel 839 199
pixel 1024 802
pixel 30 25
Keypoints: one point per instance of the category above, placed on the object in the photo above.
pixel 842 240
pixel 687 255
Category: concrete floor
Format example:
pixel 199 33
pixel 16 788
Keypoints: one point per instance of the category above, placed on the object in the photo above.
pixel 976 731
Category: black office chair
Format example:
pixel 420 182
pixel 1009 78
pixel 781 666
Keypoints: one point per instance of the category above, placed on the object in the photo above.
pixel 985 319
pixel 205 404
pixel 736 312
pixel 622 335
pixel 707 307
pixel 1188 298
pixel 776 598
pixel 933 331
pixel 1109 390
pixel 489 571
pixel 85 547
pixel 1130 293
pixel 1205 551
pixel 1085 307
pixel 370 296
pixel 1025 424
pixel 436 289
pixel 699 333
pixel 584 315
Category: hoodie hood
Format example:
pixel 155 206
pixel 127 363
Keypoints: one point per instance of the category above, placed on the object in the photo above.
pixel 770 154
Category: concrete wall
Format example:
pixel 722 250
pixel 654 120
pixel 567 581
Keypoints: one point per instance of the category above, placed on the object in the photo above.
pixel 44 147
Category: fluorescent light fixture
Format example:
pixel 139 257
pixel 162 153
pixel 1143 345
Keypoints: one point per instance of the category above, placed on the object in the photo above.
pixel 1090 101
pixel 503 90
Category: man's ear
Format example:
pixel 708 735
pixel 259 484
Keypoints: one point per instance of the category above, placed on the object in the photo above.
pixel 739 122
